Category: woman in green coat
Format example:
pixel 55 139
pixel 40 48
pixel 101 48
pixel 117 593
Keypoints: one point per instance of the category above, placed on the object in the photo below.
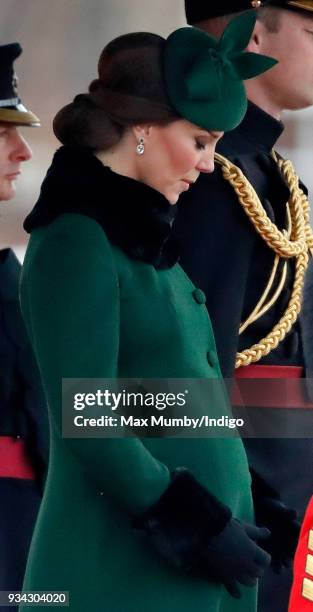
pixel 130 524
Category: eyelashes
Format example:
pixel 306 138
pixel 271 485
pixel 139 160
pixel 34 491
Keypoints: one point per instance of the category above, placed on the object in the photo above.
pixel 200 146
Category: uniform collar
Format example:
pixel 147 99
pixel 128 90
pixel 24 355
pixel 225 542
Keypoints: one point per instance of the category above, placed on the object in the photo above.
pixel 258 132
pixel 9 274
pixel 135 217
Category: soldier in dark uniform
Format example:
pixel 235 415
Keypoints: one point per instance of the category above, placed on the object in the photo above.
pixel 23 420
pixel 248 252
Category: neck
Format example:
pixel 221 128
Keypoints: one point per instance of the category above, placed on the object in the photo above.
pixel 121 158
pixel 120 164
pixel 259 95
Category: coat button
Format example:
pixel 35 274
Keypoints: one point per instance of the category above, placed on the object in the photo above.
pixel 212 359
pixel 199 296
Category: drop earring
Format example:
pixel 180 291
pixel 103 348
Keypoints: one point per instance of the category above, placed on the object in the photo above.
pixel 140 149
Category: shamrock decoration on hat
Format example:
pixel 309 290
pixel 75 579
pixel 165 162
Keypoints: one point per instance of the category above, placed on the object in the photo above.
pixel 204 76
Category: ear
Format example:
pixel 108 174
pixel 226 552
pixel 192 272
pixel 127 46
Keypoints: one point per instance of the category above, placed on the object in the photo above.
pixel 142 131
pixel 255 43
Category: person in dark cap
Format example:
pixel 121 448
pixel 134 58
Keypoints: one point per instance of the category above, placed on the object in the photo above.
pixel 23 420
pixel 248 250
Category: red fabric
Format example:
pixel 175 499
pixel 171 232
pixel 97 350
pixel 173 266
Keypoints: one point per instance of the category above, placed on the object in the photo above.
pixel 298 603
pixel 14 462
pixel 259 386
pixel 268 371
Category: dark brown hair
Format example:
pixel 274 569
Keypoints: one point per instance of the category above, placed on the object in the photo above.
pixel 130 90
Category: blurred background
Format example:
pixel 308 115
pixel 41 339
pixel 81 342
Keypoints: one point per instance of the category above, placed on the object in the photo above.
pixel 62 40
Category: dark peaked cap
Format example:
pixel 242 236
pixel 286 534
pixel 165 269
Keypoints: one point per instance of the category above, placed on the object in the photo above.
pixel 199 10
pixel 11 108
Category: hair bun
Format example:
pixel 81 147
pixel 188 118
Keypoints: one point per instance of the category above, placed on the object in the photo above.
pixel 82 100
pixel 129 90
pixel 96 85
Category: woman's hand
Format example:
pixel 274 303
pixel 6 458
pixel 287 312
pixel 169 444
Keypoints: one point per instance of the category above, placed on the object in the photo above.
pixel 234 556
pixel 196 534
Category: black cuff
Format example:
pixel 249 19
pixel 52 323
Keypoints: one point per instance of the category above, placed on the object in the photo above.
pixel 261 489
pixel 282 521
pixel 182 522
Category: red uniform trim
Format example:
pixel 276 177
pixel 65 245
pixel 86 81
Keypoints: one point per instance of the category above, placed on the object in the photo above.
pixel 259 386
pixel 301 599
pixel 269 371
pixel 14 462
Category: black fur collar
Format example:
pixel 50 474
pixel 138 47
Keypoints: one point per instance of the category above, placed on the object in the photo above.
pixel 135 217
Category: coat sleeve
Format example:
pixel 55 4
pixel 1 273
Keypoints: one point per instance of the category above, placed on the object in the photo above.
pixel 70 298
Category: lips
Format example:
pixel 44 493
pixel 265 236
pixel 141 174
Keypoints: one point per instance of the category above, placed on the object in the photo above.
pixel 13 175
pixel 187 182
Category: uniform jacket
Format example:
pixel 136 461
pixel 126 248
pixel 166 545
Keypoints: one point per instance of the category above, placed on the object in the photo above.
pixel 307 325
pixel 114 304
pixel 23 411
pixel 301 599
pixel 222 252
pixel 23 414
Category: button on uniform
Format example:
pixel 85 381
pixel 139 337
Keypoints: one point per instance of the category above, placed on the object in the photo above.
pixel 199 296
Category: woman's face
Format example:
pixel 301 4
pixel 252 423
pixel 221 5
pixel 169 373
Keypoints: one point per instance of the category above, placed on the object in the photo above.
pixel 174 157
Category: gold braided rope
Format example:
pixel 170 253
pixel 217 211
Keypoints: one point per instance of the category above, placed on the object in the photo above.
pixel 296 243
pixel 296 193
pixel 259 309
pixel 262 306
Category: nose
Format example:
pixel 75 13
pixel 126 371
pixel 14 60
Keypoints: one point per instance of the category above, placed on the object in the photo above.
pixel 20 150
pixel 206 165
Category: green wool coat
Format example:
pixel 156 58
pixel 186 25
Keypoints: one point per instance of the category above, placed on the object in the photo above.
pixel 92 311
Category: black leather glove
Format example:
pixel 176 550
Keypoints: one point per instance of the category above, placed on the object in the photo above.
pixel 282 522
pixel 195 533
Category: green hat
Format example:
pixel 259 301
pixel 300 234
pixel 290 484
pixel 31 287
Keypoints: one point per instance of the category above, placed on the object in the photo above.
pixel 204 76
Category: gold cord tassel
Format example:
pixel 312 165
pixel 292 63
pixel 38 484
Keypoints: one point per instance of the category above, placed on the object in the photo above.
pixel 296 243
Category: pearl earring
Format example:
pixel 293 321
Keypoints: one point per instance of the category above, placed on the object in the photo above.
pixel 140 149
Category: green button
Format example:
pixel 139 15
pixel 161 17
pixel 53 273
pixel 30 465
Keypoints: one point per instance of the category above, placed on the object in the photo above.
pixel 199 296
pixel 212 358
